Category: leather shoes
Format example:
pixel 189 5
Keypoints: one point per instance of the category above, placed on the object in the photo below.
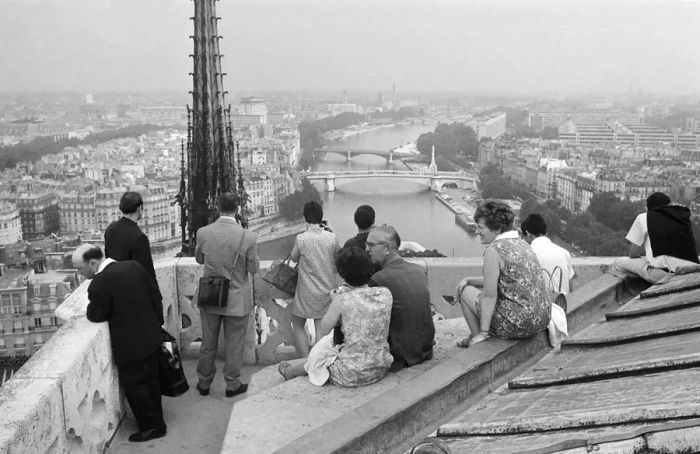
pixel 202 391
pixel 147 435
pixel 240 390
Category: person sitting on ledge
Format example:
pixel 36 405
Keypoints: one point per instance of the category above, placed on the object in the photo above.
pixel 661 240
pixel 510 300
pixel 411 331
pixel 364 356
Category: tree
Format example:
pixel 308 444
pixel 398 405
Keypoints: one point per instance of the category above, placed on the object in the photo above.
pixel 292 206
pixel 456 139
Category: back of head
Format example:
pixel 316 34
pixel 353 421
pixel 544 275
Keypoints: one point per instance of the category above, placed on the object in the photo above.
pixel 354 265
pixel 364 217
pixel 657 199
pixel 130 202
pixel 534 224
pixel 497 215
pixel 389 234
pixel 86 252
pixel 313 212
pixel 228 202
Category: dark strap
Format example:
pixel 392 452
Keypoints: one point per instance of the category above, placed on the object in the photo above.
pixel 550 284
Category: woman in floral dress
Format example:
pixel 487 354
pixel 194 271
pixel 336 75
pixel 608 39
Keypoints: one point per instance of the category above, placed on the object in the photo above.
pixel 510 300
pixel 364 357
pixel 314 251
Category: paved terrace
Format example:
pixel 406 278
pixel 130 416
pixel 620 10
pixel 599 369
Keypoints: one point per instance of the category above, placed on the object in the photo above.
pixel 629 383
pixel 66 398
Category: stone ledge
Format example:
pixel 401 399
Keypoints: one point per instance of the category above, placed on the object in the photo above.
pixel 381 416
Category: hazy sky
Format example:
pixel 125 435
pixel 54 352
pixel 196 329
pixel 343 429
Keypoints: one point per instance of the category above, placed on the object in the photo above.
pixel 524 46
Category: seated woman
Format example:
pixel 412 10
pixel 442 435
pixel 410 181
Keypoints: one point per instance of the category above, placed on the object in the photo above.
pixel 510 300
pixel 364 357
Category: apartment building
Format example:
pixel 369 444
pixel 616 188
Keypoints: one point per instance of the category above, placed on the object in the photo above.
pixel 10 223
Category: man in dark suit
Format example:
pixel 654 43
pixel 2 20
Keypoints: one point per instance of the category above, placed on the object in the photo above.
pixel 124 240
pixel 125 296
pixel 364 220
pixel 411 330
pixel 220 245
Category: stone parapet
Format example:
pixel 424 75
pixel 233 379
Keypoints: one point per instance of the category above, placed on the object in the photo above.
pixel 66 398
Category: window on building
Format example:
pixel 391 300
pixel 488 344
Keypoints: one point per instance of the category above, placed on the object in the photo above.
pixel 54 321
pixel 37 322
pixel 19 342
pixel 17 327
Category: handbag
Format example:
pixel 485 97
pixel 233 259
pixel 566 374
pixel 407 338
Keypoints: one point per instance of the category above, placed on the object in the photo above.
pixel 213 291
pixel 282 276
pixel 171 375
pixel 557 296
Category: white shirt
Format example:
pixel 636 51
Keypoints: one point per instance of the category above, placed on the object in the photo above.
pixel 550 257
pixel 639 236
pixel 104 264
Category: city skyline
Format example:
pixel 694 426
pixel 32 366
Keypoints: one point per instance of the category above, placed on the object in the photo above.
pixel 585 47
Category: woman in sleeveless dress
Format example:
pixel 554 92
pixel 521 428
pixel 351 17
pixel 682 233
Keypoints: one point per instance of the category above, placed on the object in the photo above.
pixel 364 356
pixel 510 300
pixel 314 251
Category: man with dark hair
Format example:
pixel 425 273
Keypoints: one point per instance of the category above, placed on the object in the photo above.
pixel 124 240
pixel 364 220
pixel 550 255
pixel 411 331
pixel 124 295
pixel 227 251
pixel 661 240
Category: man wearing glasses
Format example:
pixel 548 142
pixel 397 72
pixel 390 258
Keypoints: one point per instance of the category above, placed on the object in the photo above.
pixel 411 331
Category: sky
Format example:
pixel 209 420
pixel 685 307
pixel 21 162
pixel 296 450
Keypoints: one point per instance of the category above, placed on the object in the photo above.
pixel 420 45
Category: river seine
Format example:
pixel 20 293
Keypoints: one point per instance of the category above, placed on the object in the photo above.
pixel 410 207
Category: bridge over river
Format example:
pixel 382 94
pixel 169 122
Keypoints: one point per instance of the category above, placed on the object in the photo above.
pixel 433 180
pixel 349 153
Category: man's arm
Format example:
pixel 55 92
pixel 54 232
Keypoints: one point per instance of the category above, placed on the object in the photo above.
pixel 99 308
pixel 252 259
pixel 635 251
pixel 155 295
pixel 141 252
pixel 198 254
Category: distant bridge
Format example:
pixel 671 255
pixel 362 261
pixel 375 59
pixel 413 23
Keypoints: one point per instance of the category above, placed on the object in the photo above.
pixel 435 181
pixel 349 153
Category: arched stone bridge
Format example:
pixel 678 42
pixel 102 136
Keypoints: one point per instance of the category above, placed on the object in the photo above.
pixel 349 153
pixel 435 181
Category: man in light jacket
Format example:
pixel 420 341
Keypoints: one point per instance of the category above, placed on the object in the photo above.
pixel 217 246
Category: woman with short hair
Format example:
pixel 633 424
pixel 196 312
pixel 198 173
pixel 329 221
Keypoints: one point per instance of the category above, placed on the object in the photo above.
pixel 510 300
pixel 314 251
pixel 364 356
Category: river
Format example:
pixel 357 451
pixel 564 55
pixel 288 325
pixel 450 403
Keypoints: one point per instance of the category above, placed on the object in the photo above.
pixel 410 207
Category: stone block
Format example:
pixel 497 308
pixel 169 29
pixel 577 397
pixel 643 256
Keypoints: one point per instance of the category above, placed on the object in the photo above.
pixel 166 275
pixel 79 359
pixel 31 418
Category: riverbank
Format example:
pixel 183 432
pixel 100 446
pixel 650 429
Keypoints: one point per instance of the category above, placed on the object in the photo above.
pixel 454 199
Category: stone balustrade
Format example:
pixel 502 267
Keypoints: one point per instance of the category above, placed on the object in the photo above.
pixel 66 398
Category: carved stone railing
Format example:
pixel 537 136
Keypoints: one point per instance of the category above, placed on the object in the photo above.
pixel 66 398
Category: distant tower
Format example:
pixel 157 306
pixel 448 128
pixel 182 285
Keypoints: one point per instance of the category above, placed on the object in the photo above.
pixel 393 96
pixel 212 167
pixel 433 165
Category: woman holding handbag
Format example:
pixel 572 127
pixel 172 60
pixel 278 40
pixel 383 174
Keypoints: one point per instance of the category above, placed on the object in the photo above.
pixel 314 251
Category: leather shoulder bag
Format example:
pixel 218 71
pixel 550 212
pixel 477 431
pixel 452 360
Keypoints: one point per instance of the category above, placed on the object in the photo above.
pixel 213 291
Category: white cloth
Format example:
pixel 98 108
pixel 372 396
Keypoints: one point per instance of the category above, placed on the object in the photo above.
pixel 508 234
pixel 321 356
pixel 104 264
pixel 639 236
pixel 557 327
pixel 551 256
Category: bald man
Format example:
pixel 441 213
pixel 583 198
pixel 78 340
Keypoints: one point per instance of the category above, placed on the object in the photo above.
pixel 411 331
pixel 126 296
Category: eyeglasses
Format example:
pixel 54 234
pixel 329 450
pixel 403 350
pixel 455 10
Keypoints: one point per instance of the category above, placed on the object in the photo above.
pixel 374 244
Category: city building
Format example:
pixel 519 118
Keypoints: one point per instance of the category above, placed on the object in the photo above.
pixel 10 223
pixel 77 212
pixel 39 215
pixel 491 127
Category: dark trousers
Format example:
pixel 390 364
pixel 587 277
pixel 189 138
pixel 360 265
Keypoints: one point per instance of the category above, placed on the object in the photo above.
pixel 141 385
pixel 234 338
